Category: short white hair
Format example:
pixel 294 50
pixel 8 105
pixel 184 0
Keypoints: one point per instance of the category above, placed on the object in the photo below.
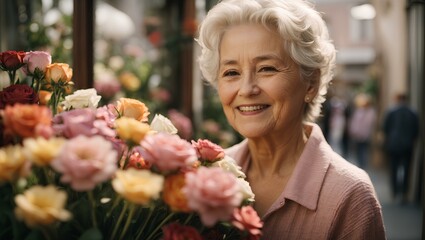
pixel 304 36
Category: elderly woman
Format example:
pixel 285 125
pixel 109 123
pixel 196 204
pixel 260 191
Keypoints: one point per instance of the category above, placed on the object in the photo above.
pixel 271 62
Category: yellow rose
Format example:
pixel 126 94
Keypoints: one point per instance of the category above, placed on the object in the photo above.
pixel 132 108
pixel 129 81
pixel 13 163
pixel 41 205
pixel 130 129
pixel 138 186
pixel 58 71
pixel 42 151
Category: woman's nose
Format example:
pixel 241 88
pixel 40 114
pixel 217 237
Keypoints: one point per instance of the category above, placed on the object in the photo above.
pixel 249 86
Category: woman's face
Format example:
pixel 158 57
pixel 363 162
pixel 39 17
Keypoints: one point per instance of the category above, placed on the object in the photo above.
pixel 258 84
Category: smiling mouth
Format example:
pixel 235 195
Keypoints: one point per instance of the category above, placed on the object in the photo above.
pixel 252 108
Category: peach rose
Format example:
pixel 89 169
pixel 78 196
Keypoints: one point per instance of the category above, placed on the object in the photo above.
pixel 132 108
pixel 58 72
pixel 41 206
pixel 23 119
pixel 138 186
pixel 44 97
pixel 42 151
pixel 129 81
pixel 13 163
pixel 172 193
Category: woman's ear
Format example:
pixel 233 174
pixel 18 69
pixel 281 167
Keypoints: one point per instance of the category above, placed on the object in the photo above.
pixel 313 87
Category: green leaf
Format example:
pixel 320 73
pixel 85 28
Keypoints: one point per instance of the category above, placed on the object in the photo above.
pixel 92 234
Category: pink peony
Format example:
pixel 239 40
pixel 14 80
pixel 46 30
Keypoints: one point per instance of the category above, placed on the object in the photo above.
pixel 86 161
pixel 175 231
pixel 208 151
pixel 247 219
pixel 213 193
pixel 167 152
pixel 36 60
pixel 81 122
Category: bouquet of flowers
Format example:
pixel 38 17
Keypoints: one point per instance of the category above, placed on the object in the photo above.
pixel 71 169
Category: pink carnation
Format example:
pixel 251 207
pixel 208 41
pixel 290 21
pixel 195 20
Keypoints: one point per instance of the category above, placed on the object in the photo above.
pixel 247 219
pixel 167 152
pixel 213 193
pixel 86 161
pixel 84 121
pixel 208 151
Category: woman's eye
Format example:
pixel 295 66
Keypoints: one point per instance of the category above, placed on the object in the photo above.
pixel 230 73
pixel 267 69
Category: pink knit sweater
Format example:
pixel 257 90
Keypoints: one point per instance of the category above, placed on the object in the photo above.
pixel 326 197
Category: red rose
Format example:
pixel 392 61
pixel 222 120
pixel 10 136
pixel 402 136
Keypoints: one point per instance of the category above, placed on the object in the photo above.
pixel 175 231
pixel 17 93
pixel 11 60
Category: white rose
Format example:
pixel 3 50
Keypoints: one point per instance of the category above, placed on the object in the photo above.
pixel 84 98
pixel 163 124
pixel 246 190
pixel 229 164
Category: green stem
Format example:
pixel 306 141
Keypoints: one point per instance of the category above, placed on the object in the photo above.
pixel 114 204
pixel 160 225
pixel 118 223
pixel 46 233
pixel 151 210
pixel 46 175
pixel 188 219
pixel 12 76
pixel 128 221
pixel 93 208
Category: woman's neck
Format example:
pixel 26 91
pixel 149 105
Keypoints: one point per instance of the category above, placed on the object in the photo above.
pixel 277 155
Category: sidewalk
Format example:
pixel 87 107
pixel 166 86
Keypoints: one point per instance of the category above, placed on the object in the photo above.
pixel 402 222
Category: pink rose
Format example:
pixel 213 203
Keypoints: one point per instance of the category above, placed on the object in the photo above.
pixel 85 162
pixel 247 219
pixel 107 86
pixel 168 152
pixel 213 193
pixel 208 151
pixel 182 123
pixel 36 60
pixel 175 231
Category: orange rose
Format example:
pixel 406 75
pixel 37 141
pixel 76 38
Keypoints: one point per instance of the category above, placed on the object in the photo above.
pixel 23 119
pixel 58 72
pixel 44 96
pixel 172 192
pixel 132 108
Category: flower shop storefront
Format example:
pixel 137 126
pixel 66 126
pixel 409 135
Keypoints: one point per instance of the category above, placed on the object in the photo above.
pixel 97 133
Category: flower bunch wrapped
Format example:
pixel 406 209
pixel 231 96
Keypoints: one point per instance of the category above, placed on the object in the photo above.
pixel 107 172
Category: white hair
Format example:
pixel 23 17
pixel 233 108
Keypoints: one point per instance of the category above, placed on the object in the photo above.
pixel 304 36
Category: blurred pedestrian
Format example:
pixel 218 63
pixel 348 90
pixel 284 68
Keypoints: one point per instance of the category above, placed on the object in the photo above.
pixel 361 127
pixel 401 128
